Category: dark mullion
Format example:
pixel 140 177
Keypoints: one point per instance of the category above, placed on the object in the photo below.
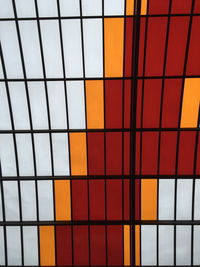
pixel 178 135
pixel 99 17
pixel 4 218
pixel 15 149
pixel 98 78
pixel 86 125
pixel 160 122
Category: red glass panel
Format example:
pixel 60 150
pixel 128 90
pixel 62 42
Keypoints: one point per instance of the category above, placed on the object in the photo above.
pixel 97 199
pixel 79 199
pixel 114 199
pixel 97 245
pixel 115 245
pixel 128 46
pixel 81 245
pixel 63 245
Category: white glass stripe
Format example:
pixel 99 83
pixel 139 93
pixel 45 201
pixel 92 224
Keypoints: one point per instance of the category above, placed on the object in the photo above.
pixel 30 242
pixel 92 7
pixel 25 8
pixel 5 123
pixel 47 8
pixel 196 245
pixel 1 211
pixel 7 10
pixel 166 199
pixel 166 245
pixel 69 8
pixel 197 200
pixel 13 245
pixel 2 247
pixel 183 245
pixel 114 7
pixel 148 245
pixel 45 197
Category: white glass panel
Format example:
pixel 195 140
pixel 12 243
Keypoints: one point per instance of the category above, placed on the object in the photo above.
pixel 148 239
pixel 184 199
pixel 7 10
pixel 72 47
pixel 30 242
pixel 197 200
pixel 69 8
pixel 92 7
pixel 166 245
pixel 114 7
pixel 11 200
pixel 76 104
pixel 60 153
pixel 38 105
pixel 7 155
pixel 1 71
pixel 10 49
pixel 25 8
pixel 5 123
pixel 93 51
pixel 196 244
pixel 45 197
pixel 13 245
pixel 166 199
pixel 1 211
pixel 2 247
pixel 25 154
pixel 51 48
pixel 42 152
pixel 19 105
pixel 183 245
pixel 57 103
pixel 47 8
pixel 31 49
pixel 28 200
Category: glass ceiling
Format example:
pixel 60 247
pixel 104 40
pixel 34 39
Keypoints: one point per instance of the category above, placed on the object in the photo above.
pixel 99 133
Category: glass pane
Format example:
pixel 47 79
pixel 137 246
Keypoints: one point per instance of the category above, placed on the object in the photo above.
pixel 197 200
pixel 114 7
pixel 5 123
pixel 25 8
pixel 166 245
pixel 7 10
pixel 13 245
pixel 92 7
pixel 30 242
pixel 196 244
pixel 45 198
pixel 183 245
pixel 47 8
pixel 69 8
pixel 2 247
pixel 148 242
pixel 166 199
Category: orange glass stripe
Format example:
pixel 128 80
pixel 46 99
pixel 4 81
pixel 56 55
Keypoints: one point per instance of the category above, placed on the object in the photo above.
pixel 95 104
pixel 149 199
pixel 47 246
pixel 78 153
pixel 127 254
pixel 129 7
pixel 113 46
pixel 191 102
pixel 62 199
pixel 143 7
pixel 137 245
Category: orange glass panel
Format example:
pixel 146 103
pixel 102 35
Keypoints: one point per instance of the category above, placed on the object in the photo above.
pixel 95 104
pixel 47 246
pixel 129 7
pixel 143 7
pixel 137 245
pixel 149 199
pixel 78 153
pixel 191 102
pixel 126 245
pixel 62 200
pixel 113 46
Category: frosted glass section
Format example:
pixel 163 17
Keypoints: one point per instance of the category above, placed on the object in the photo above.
pixel 166 245
pixel 47 8
pixel 183 245
pixel 13 245
pixel 69 8
pixel 148 242
pixel 5 123
pixel 166 199
pixel 25 8
pixel 92 7
pixel 114 7
pixel 45 197
pixel 30 240
pixel 2 247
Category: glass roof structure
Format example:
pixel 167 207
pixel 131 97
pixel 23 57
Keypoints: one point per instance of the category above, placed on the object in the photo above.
pixel 99 133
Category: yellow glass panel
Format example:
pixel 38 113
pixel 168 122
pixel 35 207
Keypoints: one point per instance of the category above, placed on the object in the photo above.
pixel 191 102
pixel 62 199
pixel 113 46
pixel 127 258
pixel 47 246
pixel 149 199
pixel 143 7
pixel 95 104
pixel 78 153
pixel 129 7
pixel 137 245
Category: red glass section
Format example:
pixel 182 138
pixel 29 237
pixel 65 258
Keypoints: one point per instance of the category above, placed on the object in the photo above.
pixel 113 103
pixel 97 199
pixel 151 104
pixel 181 6
pixel 79 199
pixel 171 103
pixel 114 199
pixel 127 103
pixel 95 153
pixel 126 137
pixel 149 152
pixel 126 199
pixel 137 199
pixel 115 245
pixel 158 7
pixel 186 152
pixel 97 245
pixel 138 150
pixel 193 63
pixel 128 46
pixel 197 7
pixel 156 41
pixel 139 103
pixel 168 142
pixel 141 46
pixel 63 245
pixel 113 153
pixel 176 50
pixel 81 245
